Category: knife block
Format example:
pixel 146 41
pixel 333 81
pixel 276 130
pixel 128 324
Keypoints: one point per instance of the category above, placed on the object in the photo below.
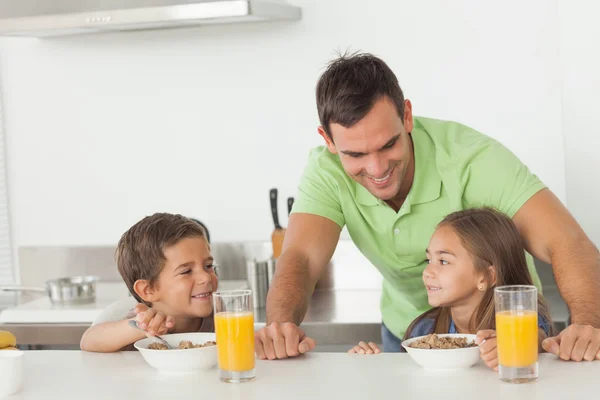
pixel 277 242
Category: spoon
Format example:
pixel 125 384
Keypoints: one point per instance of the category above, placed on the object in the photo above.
pixel 134 324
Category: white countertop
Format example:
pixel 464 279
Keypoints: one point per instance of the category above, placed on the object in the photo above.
pixel 42 311
pixel 125 375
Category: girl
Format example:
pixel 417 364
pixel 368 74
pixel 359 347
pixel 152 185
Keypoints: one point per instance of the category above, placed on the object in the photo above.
pixel 470 253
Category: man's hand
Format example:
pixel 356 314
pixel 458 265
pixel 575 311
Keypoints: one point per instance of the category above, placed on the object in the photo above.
pixel 281 340
pixel 489 349
pixel 577 343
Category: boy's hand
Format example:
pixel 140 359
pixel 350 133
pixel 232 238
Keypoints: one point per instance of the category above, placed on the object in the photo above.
pixel 365 348
pixel 152 321
pixel 489 349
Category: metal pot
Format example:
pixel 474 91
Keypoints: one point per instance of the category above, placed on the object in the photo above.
pixel 71 290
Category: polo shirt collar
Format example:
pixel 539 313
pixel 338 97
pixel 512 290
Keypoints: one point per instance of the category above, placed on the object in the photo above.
pixel 364 197
pixel 427 183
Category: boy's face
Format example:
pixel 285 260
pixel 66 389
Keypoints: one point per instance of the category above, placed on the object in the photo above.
pixel 187 280
pixel 450 277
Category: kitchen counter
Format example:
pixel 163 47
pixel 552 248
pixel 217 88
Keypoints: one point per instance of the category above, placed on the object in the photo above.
pixel 41 310
pixel 336 319
pixel 337 306
pixel 343 310
pixel 316 375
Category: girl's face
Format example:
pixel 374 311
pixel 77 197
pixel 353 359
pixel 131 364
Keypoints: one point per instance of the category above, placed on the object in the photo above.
pixel 450 276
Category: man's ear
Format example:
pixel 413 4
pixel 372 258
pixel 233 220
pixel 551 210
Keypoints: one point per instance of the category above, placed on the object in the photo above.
pixel 408 116
pixel 328 140
pixel 144 289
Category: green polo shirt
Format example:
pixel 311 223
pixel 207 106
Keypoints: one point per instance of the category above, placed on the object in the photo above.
pixel 456 168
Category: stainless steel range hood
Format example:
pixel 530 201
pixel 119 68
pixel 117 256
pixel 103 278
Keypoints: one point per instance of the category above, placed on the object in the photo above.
pixel 41 18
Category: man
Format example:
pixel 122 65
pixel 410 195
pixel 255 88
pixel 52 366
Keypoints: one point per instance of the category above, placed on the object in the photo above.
pixel 390 178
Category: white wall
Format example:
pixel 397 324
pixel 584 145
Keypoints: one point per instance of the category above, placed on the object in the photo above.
pixel 103 130
pixel 580 34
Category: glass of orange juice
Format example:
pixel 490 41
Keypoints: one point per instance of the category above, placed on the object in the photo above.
pixel 517 332
pixel 234 327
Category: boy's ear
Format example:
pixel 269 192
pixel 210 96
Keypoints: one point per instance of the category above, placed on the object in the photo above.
pixel 143 289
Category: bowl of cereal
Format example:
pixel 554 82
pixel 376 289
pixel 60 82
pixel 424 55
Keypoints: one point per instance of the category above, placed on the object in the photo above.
pixel 443 351
pixel 190 352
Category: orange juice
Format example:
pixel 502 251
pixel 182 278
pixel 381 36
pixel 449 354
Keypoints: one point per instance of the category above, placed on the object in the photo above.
pixel 517 335
pixel 235 340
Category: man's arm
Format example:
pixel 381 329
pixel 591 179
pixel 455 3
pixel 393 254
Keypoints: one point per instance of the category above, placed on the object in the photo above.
pixel 311 237
pixel 309 243
pixel 495 177
pixel 552 235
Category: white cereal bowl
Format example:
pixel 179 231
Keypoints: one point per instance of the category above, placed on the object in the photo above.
pixel 180 360
pixel 444 359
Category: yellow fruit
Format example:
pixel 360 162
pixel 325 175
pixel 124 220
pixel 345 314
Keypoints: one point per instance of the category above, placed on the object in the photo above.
pixel 9 348
pixel 7 339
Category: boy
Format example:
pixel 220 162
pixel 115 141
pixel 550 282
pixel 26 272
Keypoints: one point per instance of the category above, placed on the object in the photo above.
pixel 165 261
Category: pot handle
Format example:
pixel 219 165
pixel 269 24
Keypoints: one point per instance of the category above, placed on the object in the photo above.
pixel 17 288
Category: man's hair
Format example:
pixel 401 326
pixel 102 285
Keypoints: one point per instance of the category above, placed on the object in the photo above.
pixel 351 85
pixel 140 251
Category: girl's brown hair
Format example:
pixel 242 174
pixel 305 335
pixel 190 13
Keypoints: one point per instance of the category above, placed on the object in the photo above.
pixel 492 239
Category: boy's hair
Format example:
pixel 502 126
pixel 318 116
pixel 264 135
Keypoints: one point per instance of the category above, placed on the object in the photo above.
pixel 491 238
pixel 140 252
pixel 350 86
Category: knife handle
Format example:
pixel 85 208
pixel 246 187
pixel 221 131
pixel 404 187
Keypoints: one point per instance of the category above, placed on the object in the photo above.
pixel 273 195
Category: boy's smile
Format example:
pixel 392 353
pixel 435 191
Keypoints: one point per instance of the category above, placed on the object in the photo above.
pixel 203 296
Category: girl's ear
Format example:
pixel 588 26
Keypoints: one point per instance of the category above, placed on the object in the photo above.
pixel 487 280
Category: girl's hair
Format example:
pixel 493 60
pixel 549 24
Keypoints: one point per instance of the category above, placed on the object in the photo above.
pixel 491 238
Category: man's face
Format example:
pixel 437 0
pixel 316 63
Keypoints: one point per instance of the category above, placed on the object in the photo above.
pixel 376 151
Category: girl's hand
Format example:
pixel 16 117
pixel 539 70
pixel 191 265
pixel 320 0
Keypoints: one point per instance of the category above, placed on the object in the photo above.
pixel 365 348
pixel 489 349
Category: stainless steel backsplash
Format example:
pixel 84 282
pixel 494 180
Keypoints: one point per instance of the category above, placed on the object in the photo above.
pixel 38 264
pixel 348 269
